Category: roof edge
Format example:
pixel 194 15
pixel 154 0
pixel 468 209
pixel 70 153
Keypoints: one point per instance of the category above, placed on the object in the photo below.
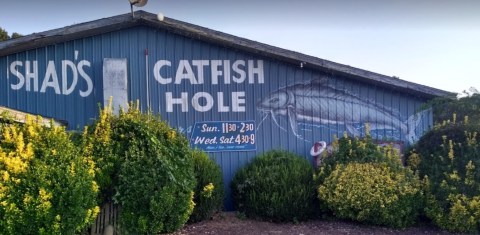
pixel 67 33
pixel 190 30
pixel 307 61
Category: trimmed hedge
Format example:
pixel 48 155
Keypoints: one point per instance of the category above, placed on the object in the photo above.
pixel 209 193
pixel 372 193
pixel 365 182
pixel 276 186
pixel 355 150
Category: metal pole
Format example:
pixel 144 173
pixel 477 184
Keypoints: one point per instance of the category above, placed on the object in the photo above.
pixel 147 73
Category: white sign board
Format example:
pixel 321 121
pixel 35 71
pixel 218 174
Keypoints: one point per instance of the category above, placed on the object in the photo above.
pixel 115 83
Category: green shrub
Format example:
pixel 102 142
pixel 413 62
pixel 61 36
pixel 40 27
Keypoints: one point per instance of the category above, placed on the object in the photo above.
pixel 357 150
pixel 277 186
pixel 444 107
pixel 96 141
pixel 46 186
pixel 146 167
pixel 373 193
pixel 448 157
pixel 380 191
pixel 209 193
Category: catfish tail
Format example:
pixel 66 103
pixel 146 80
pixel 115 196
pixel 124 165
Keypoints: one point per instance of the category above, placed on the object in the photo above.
pixel 416 125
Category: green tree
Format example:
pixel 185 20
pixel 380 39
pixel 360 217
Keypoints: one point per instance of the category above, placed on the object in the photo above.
pixel 3 35
pixel 445 107
pixel 16 35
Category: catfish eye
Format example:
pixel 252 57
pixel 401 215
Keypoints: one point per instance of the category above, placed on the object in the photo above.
pixel 274 100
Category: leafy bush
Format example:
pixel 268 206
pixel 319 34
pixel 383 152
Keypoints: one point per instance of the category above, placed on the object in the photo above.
pixel 146 167
pixel 372 192
pixel 277 186
pixel 448 157
pixel 365 182
pixel 46 186
pixel 355 150
pixel 107 150
pixel 431 153
pixel 209 193
pixel 444 107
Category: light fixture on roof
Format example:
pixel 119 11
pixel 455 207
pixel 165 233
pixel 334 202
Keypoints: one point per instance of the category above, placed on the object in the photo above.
pixel 137 3
pixel 160 16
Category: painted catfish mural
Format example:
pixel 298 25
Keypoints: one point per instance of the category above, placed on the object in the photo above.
pixel 319 102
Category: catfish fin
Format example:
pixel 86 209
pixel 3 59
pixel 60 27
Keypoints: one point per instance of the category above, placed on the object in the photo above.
pixel 352 130
pixel 274 118
pixel 292 118
pixel 413 122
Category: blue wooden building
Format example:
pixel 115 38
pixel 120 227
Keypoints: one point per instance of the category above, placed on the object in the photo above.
pixel 231 96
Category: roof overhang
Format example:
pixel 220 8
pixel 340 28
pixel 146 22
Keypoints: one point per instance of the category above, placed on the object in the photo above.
pixel 119 22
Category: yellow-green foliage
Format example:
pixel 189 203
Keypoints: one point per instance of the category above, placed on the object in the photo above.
pixel 97 142
pixel 360 150
pixel 365 182
pixel 448 157
pixel 462 214
pixel 46 185
pixel 146 167
pixel 372 192
pixel 357 150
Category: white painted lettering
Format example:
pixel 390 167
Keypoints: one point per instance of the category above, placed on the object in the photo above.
pixel 208 101
pixel 221 107
pixel 31 75
pixel 238 101
pixel 206 128
pixel 85 76
pixel 51 79
pixel 211 140
pixel 185 71
pixel 156 71
pixel 170 101
pixel 216 72
pixel 226 140
pixel 237 71
pixel 204 102
pixel 69 77
pixel 199 140
pixel 252 70
pixel 226 71
pixel 15 72
pixel 200 64
pixel 65 65
pixel 240 72
pixel 203 140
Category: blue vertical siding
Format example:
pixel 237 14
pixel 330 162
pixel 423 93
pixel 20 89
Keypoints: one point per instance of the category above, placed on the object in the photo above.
pixel 162 45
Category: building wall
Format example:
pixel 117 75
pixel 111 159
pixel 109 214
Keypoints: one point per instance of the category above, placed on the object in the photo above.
pixel 290 106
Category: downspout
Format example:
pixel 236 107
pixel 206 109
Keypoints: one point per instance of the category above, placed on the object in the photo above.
pixel 148 78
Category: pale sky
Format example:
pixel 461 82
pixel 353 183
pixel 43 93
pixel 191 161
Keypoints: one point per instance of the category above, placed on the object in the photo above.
pixel 431 42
